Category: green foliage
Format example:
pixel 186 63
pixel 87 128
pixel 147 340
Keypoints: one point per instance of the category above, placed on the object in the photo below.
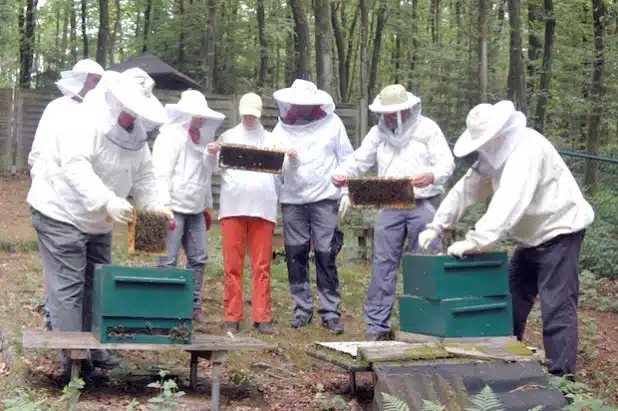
pixel 579 395
pixel 486 400
pixel 392 403
pixel 166 400
pixel 24 399
pixel 432 406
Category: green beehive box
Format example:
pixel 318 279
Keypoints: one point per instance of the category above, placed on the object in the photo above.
pixel 457 317
pixel 142 305
pixel 447 276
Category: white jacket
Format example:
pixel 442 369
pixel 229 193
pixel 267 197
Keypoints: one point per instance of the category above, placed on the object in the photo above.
pixel 535 197
pixel 183 169
pixel 47 137
pixel 427 152
pixel 243 192
pixel 322 146
pixel 93 171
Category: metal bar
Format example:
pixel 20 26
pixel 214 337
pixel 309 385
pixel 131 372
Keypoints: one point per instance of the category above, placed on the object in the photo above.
pixel 193 370
pixel 216 372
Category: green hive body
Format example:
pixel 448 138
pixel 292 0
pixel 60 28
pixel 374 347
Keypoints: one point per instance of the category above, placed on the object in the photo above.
pixel 142 305
pixel 445 296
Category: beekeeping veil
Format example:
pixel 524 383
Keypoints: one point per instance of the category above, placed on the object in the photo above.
pixel 396 99
pixel 192 104
pixel 72 81
pixel 303 109
pixel 490 136
pixel 121 92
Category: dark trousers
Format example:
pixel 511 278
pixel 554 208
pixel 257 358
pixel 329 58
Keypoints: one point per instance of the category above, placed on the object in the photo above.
pixel 550 270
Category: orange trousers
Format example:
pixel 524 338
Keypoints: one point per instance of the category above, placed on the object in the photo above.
pixel 257 233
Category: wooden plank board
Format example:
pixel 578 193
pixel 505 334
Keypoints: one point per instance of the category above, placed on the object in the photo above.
pixel 84 340
pixel 407 352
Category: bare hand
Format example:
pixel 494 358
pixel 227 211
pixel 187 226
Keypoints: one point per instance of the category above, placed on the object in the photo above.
pixel 213 148
pixel 339 180
pixel 422 180
pixel 292 153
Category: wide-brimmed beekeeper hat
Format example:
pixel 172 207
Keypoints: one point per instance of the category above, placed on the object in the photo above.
pixel 303 93
pixel 392 99
pixel 136 96
pixel 483 123
pixel 192 103
pixel 72 81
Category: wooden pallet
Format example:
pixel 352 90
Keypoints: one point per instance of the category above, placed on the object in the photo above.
pixel 211 347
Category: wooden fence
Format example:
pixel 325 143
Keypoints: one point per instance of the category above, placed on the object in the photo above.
pixel 21 110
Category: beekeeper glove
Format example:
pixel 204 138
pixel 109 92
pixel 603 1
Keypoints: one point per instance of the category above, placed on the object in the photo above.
pixel 426 237
pixel 120 210
pixel 459 248
pixel 164 210
pixel 344 206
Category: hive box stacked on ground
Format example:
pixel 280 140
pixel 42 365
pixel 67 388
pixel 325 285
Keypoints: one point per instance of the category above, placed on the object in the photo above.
pixel 447 296
pixel 142 305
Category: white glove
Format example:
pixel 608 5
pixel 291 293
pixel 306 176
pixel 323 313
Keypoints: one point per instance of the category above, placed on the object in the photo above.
pixel 459 248
pixel 344 206
pixel 426 237
pixel 120 210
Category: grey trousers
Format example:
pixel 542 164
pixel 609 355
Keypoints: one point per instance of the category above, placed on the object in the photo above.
pixel 190 233
pixel 392 227
pixel 318 222
pixel 69 256
pixel 550 270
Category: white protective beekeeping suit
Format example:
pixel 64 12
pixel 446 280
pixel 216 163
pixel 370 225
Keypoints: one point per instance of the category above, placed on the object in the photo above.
pixel 247 193
pixel 534 196
pixel 182 166
pixel 415 146
pixel 72 84
pixel 102 162
pixel 320 139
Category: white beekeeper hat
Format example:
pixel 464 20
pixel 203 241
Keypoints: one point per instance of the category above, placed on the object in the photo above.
pixel 392 99
pixel 72 81
pixel 192 103
pixel 303 93
pixel 136 97
pixel 250 105
pixel 483 123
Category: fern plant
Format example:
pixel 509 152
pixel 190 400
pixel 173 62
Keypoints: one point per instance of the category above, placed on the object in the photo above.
pixel 486 400
pixel 392 403
pixel 432 406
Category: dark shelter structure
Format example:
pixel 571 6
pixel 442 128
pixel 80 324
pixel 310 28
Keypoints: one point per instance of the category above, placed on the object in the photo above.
pixel 165 76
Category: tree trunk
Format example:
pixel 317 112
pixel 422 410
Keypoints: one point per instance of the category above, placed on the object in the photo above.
pixel 303 42
pixel 84 4
pixel 181 34
pixel 117 32
pixel 323 36
pixel 349 54
pixel 364 11
pixel 596 94
pixel 73 32
pixel 263 44
pixel 411 84
pixel 516 86
pixel 65 36
pixel 146 25
pixel 211 40
pixel 550 28
pixel 103 37
pixel 28 23
pixel 534 48
pixel 458 20
pixel 483 40
pixel 377 43
pixel 340 43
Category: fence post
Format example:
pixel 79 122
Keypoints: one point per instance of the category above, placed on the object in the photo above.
pixel 362 131
pixel 16 129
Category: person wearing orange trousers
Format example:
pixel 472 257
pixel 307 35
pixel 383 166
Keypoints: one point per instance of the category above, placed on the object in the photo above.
pixel 248 214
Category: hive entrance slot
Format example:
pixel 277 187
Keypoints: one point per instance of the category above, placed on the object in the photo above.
pixel 182 333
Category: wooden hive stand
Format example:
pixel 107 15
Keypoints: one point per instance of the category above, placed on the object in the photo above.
pixel 215 348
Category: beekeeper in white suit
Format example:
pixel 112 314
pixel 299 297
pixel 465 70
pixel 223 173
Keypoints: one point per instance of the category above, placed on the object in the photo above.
pixel 102 161
pixel 406 144
pixel 74 84
pixel 184 176
pixel 310 203
pixel 535 200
